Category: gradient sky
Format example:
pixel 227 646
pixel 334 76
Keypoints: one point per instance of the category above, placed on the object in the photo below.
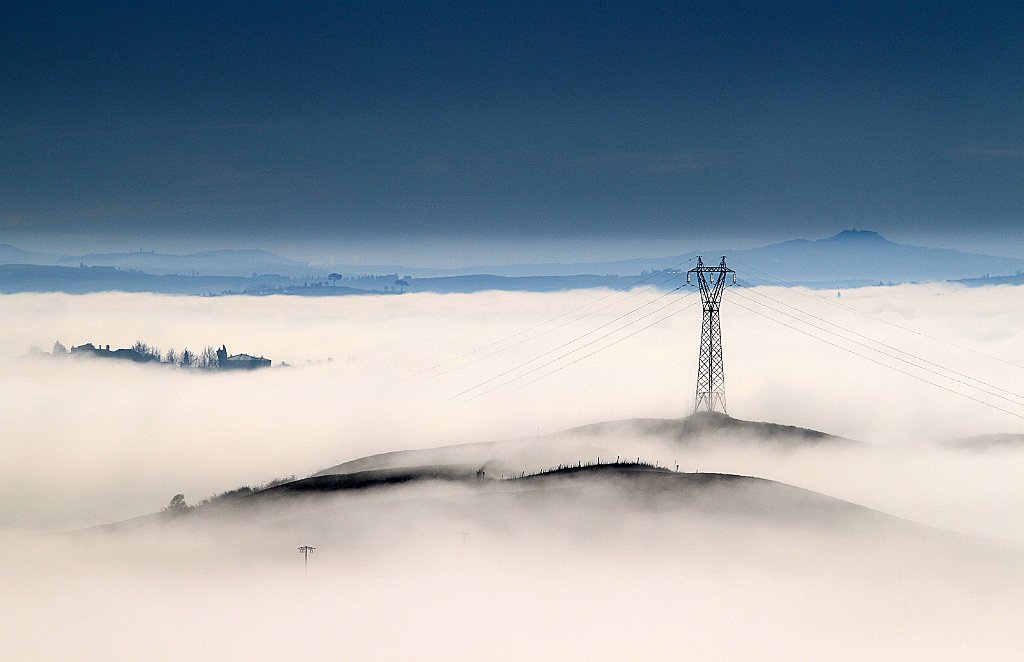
pixel 422 131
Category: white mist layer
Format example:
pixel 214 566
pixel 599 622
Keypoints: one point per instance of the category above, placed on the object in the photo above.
pixel 434 572
pixel 87 442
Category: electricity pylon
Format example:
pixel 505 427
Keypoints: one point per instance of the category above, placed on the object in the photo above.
pixel 710 369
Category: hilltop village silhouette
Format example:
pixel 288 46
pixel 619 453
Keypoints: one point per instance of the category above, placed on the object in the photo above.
pixel 208 359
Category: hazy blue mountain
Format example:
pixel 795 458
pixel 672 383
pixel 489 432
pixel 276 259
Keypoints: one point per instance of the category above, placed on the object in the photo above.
pixel 14 255
pixel 1016 279
pixel 82 280
pixel 861 257
pixel 205 263
pixel 849 259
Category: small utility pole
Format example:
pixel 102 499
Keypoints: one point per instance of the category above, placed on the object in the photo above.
pixel 306 550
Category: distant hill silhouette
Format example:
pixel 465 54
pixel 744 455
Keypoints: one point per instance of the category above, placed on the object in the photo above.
pixel 848 259
pixel 206 263
pixel 861 257
pixel 986 281
pixel 83 280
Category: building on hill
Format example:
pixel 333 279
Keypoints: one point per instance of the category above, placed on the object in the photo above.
pixel 88 349
pixel 240 361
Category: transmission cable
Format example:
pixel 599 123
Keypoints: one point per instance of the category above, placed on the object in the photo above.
pixel 869 347
pixel 627 288
pixel 547 331
pixel 800 290
pixel 587 355
pixel 1020 398
pixel 881 363
pixel 562 346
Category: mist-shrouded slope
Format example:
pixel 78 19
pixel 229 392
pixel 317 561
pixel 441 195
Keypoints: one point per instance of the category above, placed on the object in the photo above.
pixel 630 484
pixel 711 549
pixel 612 503
pixel 474 482
pixel 708 426
pixel 984 442
pixel 626 438
pixel 632 550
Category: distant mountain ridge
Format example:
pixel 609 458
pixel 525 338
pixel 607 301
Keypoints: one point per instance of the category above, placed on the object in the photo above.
pixel 226 262
pixel 851 258
pixel 847 259
pixel 863 257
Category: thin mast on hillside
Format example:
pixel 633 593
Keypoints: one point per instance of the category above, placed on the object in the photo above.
pixel 306 550
pixel 710 368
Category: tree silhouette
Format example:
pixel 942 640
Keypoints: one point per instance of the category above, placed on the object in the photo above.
pixel 208 359
pixel 401 284
pixel 334 278
pixel 146 351
pixel 177 505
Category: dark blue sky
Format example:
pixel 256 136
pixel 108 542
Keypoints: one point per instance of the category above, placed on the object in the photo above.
pixel 390 129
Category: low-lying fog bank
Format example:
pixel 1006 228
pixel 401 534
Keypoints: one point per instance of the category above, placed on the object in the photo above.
pixel 440 572
pixel 92 442
pixel 446 572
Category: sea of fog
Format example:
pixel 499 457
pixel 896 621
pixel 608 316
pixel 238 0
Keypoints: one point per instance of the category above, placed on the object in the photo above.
pixel 88 442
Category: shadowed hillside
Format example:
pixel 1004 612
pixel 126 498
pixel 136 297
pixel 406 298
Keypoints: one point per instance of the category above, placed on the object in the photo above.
pixel 637 484
pixel 605 498
pixel 705 425
pixel 608 440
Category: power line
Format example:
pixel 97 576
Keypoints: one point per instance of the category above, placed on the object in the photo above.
pixel 544 333
pixel 589 354
pixel 881 363
pixel 1019 398
pixel 897 358
pixel 569 353
pixel 632 286
pixel 796 288
pixel 565 344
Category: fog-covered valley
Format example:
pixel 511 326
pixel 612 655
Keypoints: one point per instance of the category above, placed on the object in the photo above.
pixel 925 563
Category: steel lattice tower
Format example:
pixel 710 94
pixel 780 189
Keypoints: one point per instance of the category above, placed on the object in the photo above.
pixel 710 368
